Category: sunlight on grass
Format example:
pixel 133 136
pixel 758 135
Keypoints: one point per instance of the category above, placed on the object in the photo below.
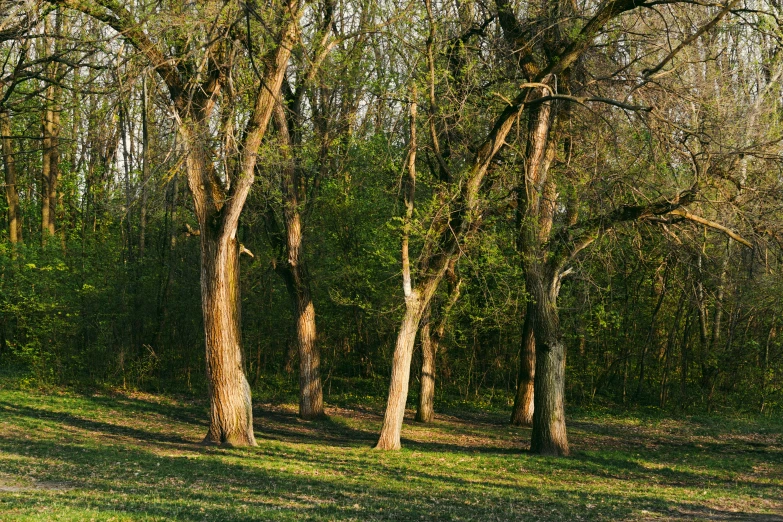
pixel 135 457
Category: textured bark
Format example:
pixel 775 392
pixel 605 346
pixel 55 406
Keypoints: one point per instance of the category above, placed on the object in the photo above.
pixel 429 349
pixel 297 277
pixel 431 338
pixel 401 370
pixel 217 202
pixel 549 428
pixel 231 412
pixel 416 303
pixel 50 160
pixel 522 414
pixel 311 404
pixel 11 192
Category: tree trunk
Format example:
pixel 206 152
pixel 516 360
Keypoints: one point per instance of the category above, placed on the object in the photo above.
pixel 401 371
pixel 231 411
pixel 522 414
pixel 430 344
pixel 145 166
pixel 50 161
pixel 549 428
pixel 429 349
pixel 311 403
pixel 297 278
pixel 11 192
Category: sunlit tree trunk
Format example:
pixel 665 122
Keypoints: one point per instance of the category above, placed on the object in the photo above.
pixel 429 349
pixel 522 414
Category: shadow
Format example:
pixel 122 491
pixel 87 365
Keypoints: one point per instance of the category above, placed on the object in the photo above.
pixel 90 425
pixel 324 470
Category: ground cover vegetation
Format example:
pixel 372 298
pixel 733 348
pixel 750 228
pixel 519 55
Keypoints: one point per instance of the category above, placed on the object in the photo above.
pixel 447 206
pixel 135 456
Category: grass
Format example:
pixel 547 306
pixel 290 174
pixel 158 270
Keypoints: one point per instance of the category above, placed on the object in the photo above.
pixel 68 456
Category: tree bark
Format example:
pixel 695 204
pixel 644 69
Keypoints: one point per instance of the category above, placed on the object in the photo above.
pixel 50 160
pixel 231 411
pixel 297 278
pixel 429 349
pixel 522 414
pixel 401 370
pixel 11 192
pixel 431 339
pixel 145 166
pixel 549 428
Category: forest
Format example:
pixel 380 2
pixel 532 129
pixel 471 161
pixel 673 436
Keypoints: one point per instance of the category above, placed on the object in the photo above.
pixel 382 223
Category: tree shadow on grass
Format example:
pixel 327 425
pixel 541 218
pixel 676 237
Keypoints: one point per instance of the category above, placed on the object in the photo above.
pixel 289 482
pixel 91 425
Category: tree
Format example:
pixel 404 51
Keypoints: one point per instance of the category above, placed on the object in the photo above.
pixel 200 78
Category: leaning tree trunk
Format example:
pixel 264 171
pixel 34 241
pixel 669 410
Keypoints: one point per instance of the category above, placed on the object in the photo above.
pixel 429 349
pixel 522 414
pixel 231 412
pixel 401 371
pixel 549 427
pixel 11 192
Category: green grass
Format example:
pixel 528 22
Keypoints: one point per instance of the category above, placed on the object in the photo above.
pixel 68 456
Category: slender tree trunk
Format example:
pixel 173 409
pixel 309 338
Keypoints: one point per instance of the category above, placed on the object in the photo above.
pixel 11 192
pixel 311 403
pixel 297 277
pixel 431 339
pixel 50 165
pixel 522 414
pixel 549 435
pixel 429 348
pixel 145 166
pixel 401 370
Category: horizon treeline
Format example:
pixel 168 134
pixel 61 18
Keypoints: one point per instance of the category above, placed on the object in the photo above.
pixel 519 203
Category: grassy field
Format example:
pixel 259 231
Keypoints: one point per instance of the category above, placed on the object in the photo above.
pixel 66 456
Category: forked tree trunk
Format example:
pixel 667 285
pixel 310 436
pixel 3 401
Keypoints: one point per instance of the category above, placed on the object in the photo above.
pixel 11 192
pixel 429 349
pixel 231 411
pixel 401 371
pixel 522 414
pixel 549 428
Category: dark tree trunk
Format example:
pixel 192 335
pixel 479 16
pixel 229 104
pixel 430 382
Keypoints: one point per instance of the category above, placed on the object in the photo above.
pixel 522 414
pixel 11 192
pixel 549 428
pixel 145 167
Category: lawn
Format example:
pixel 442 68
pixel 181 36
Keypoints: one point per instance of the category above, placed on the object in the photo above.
pixel 132 456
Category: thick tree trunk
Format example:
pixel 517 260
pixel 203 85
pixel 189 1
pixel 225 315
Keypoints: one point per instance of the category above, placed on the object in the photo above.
pixel 522 414
pixel 231 411
pixel 11 192
pixel 429 349
pixel 549 428
pixel 401 371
